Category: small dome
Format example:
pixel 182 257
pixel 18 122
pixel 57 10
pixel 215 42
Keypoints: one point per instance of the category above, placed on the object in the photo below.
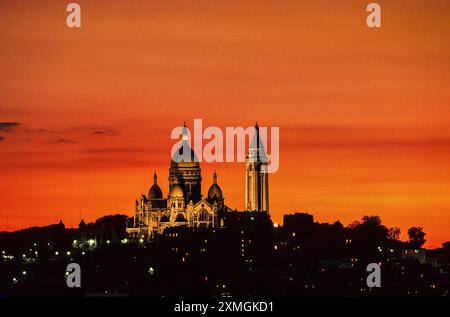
pixel 176 191
pixel 214 192
pixel 180 160
pixel 155 192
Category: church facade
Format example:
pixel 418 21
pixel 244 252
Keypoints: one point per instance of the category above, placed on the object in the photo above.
pixel 184 204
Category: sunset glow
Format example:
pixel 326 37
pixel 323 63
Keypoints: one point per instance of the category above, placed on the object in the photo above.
pixel 363 113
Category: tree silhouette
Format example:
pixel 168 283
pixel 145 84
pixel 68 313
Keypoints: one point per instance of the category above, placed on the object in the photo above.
pixel 416 237
pixel 394 233
pixel 368 236
pixel 371 221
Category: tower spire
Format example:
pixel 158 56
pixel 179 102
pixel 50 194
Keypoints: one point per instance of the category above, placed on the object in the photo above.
pixel 214 177
pixel 257 135
pixel 185 132
pixel 155 178
pixel 257 184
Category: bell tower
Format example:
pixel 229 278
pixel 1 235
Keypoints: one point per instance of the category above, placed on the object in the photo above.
pixel 256 176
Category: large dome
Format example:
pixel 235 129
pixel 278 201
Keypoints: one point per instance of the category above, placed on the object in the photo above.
pixel 176 191
pixel 181 160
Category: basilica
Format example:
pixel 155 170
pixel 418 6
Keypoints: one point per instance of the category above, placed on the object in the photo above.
pixel 185 206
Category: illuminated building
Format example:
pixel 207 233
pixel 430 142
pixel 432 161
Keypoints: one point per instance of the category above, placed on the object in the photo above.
pixel 184 204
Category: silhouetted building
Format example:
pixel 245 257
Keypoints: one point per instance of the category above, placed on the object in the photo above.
pixel 298 221
pixel 414 254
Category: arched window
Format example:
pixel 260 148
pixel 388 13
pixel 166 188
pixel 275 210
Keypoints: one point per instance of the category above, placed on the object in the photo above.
pixel 180 217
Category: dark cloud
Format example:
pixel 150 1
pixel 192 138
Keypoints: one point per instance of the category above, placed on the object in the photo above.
pixel 62 141
pixel 83 129
pixel 125 150
pixel 1 138
pixel 122 150
pixel 7 126
pixel 40 131
pixel 105 132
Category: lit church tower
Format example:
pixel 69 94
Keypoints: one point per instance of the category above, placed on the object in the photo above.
pixel 186 169
pixel 257 181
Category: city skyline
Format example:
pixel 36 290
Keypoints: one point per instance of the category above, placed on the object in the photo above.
pixel 86 115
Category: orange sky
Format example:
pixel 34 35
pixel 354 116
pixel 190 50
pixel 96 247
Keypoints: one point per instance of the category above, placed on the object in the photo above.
pixel 363 113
